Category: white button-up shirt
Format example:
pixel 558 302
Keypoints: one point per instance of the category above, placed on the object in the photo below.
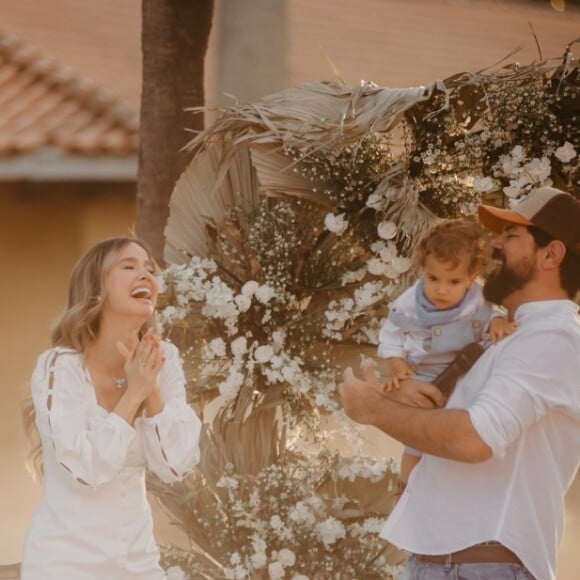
pixel 523 398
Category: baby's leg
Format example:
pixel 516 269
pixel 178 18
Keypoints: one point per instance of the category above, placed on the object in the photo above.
pixel 408 463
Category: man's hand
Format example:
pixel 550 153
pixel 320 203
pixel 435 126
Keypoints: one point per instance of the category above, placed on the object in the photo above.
pixel 360 397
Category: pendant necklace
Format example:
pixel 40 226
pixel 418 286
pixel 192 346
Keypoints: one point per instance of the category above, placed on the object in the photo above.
pixel 119 382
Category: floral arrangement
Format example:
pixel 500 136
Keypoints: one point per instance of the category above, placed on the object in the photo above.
pixel 289 233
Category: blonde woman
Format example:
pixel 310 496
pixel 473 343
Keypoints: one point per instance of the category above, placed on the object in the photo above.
pixel 109 401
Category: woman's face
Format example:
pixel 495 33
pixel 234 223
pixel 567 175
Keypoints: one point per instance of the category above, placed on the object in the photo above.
pixel 131 284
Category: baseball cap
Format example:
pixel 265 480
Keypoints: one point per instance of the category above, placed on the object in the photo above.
pixel 554 211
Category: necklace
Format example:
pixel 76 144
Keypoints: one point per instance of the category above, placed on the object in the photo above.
pixel 119 382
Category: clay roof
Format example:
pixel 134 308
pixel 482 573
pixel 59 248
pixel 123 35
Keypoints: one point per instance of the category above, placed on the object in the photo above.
pixel 44 104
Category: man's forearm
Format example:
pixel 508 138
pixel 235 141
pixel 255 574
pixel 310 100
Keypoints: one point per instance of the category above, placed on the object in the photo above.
pixel 446 433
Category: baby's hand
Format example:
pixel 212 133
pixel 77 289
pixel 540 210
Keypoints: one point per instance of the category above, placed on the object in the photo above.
pixel 398 371
pixel 499 328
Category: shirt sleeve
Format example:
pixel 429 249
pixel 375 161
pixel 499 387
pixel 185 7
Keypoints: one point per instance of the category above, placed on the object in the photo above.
pixel 534 375
pixel 171 438
pixel 92 449
pixel 392 337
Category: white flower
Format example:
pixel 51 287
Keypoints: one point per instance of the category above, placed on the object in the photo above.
pixel 276 522
pixel 259 560
pixel 389 252
pixel 354 276
pixel 376 267
pixel 538 169
pixel 263 353
pixel 249 288
pixel 401 264
pixel 276 570
pixel 175 573
pixel 286 557
pixel 518 153
pixel 387 230
pixel 336 224
pixel 239 346
pixel 374 200
pixel 264 293
pixel 564 154
pixel 227 482
pixel 243 302
pixel 218 347
pixel 483 184
pixel 330 530
pixel 278 339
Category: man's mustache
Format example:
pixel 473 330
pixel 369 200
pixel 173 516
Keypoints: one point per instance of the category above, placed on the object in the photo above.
pixel 497 255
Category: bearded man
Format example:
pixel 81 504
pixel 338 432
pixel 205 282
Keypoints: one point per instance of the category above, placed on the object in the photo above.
pixel 486 499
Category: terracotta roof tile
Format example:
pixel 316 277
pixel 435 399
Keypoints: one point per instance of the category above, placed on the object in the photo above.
pixel 43 104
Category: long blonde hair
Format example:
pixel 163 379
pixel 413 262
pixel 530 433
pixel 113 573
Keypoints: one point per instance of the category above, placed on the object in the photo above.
pixel 78 325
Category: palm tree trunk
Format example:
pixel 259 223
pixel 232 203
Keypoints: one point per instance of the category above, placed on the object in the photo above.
pixel 174 41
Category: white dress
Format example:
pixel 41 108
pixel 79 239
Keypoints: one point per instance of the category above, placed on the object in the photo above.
pixel 94 521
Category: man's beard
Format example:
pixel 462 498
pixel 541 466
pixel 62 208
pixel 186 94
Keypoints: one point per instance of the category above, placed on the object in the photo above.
pixel 507 279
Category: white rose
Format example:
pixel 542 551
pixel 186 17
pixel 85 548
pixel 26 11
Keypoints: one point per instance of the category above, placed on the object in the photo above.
pixel 286 557
pixel 243 302
pixel 175 573
pixel 374 200
pixel 263 353
pixel 518 153
pixel 483 184
pixel 259 560
pixel 401 264
pixel 564 154
pixel 239 346
pixel 249 288
pixel 387 230
pixel 336 224
pixel 276 571
pixel 218 347
pixel 264 293
pixel 376 267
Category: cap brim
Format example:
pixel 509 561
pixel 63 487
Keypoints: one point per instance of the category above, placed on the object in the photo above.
pixel 495 218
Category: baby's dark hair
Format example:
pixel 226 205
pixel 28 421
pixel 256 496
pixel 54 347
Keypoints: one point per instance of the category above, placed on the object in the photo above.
pixel 452 241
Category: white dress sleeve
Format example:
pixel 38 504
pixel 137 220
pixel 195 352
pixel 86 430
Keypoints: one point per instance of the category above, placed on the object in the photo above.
pixel 171 438
pixel 91 448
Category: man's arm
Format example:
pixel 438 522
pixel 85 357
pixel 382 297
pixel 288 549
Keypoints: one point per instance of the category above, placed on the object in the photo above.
pixel 446 433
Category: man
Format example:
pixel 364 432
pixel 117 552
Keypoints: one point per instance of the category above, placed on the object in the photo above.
pixel 486 499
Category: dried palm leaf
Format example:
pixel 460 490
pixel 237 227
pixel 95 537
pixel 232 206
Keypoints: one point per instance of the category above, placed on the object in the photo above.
pixel 207 190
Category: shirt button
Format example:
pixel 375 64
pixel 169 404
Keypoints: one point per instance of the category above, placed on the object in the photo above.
pixel 476 324
pixel 436 331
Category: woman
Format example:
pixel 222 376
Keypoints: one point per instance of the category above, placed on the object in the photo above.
pixel 109 399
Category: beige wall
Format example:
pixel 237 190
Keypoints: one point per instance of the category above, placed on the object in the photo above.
pixel 43 230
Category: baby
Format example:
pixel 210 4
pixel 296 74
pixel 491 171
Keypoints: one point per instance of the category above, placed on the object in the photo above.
pixel 441 313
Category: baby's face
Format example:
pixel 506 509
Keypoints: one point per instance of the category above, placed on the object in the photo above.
pixel 445 285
